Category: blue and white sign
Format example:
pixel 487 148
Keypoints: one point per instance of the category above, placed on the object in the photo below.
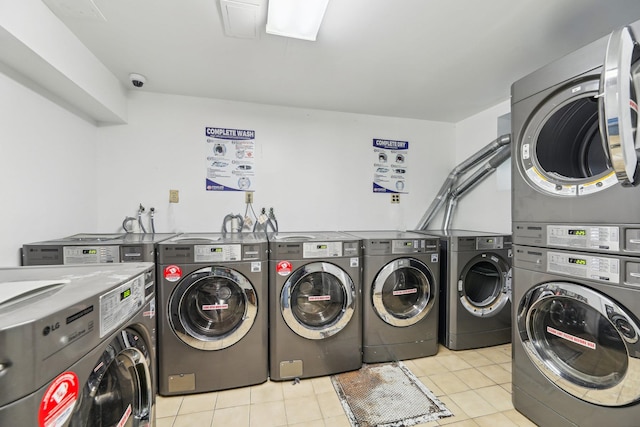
pixel 390 166
pixel 230 159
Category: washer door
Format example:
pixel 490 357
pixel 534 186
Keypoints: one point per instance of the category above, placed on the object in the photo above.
pixel 318 300
pixel 582 139
pixel 119 391
pixel 582 341
pixel 404 292
pixel 213 308
pixel 484 286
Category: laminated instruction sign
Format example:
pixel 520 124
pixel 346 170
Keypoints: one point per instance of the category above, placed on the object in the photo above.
pixel 230 159
pixel 390 166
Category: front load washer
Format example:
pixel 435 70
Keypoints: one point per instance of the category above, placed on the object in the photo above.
pixel 574 148
pixel 576 353
pixel 212 312
pixel 399 295
pixel 94 248
pixel 314 316
pixel 78 345
pixel 475 288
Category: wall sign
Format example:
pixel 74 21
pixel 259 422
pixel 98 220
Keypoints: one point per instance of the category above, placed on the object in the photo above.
pixel 230 159
pixel 390 166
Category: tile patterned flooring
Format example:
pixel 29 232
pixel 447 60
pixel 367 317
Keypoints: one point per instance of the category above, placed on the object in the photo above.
pixel 475 385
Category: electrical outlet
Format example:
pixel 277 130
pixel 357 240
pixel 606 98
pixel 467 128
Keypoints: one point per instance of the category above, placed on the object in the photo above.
pixel 395 198
pixel 174 196
pixel 248 197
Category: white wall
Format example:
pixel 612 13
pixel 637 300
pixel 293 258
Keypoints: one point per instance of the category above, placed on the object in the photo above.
pixel 488 206
pixel 47 159
pixel 314 167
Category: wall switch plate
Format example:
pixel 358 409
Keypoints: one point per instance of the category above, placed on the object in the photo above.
pixel 174 196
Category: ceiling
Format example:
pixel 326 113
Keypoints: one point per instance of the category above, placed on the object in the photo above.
pixel 441 60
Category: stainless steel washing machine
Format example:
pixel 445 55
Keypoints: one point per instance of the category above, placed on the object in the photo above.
pixel 94 248
pixel 574 152
pixel 399 295
pixel 475 288
pixel 212 312
pixel 315 311
pixel 576 354
pixel 78 345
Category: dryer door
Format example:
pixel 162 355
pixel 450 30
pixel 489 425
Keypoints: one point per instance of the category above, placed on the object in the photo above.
pixel 619 104
pixel 119 391
pixel 404 292
pixel 582 341
pixel 213 308
pixel 484 285
pixel 318 300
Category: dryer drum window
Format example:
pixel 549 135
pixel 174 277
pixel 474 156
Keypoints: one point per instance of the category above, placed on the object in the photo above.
pixel 569 144
pixel 582 341
pixel 561 151
pixel 317 300
pixel 403 292
pixel 213 308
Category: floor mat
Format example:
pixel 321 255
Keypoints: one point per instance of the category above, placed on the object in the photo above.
pixel 386 395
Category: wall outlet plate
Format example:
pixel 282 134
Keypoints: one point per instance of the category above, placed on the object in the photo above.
pixel 395 198
pixel 174 196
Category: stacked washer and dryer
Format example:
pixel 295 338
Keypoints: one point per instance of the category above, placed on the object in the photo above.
pixel 78 345
pixel 576 232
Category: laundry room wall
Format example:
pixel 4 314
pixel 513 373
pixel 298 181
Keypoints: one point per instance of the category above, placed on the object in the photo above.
pixel 315 168
pixel 47 169
pixel 487 207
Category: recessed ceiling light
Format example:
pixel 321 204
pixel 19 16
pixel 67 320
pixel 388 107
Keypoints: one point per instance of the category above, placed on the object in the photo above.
pixel 299 19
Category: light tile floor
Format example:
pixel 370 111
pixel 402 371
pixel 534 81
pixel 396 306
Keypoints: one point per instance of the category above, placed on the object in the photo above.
pixel 475 385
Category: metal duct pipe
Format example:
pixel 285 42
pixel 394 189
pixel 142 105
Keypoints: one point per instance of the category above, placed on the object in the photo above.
pixel 451 179
pixel 482 154
pixel 437 203
pixel 478 176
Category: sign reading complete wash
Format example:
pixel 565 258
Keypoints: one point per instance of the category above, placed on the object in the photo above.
pixel 230 159
pixel 390 166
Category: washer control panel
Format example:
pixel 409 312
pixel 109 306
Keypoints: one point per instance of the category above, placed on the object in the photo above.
pixel 602 269
pixel 121 303
pixel 91 254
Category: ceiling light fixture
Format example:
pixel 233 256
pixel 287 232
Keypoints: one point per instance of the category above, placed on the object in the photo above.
pixel 299 19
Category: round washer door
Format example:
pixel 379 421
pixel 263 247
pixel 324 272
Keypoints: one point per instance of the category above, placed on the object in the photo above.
pixel 213 308
pixel 318 300
pixel 484 286
pixel 582 341
pixel 404 292
pixel 119 391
